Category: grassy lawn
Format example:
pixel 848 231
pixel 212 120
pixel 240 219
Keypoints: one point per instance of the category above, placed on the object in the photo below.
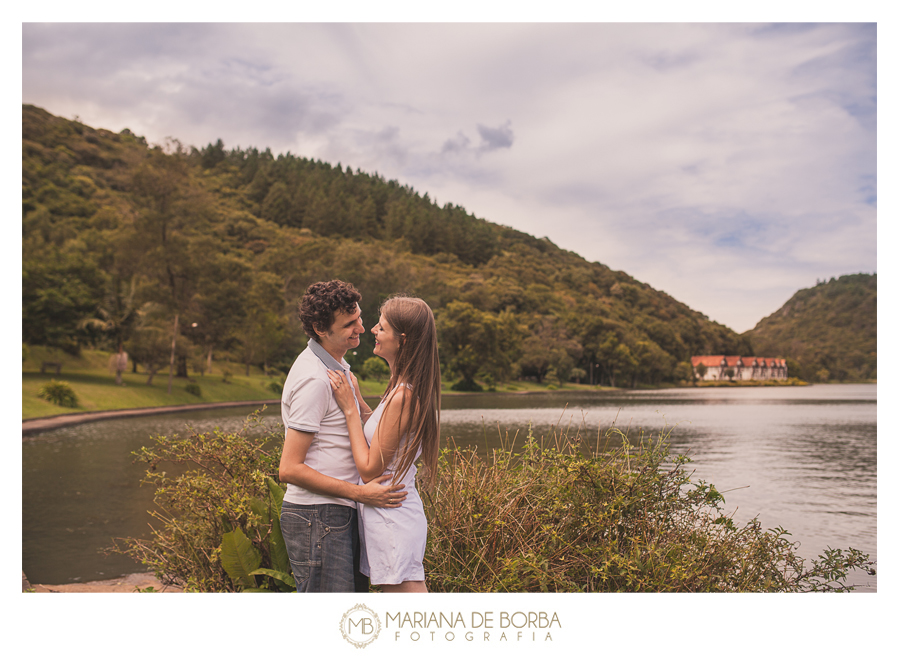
pixel 94 384
pixel 96 389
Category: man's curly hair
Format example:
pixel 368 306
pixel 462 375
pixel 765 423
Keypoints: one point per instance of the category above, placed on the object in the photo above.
pixel 322 300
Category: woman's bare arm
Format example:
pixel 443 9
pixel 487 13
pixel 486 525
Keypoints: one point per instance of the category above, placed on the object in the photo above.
pixel 370 460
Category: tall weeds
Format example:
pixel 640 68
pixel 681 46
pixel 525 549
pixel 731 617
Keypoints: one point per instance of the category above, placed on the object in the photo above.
pixel 560 516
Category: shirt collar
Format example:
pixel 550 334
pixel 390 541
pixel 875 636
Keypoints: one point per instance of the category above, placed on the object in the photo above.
pixel 326 358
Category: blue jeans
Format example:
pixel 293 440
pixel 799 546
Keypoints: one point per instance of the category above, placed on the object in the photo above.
pixel 323 546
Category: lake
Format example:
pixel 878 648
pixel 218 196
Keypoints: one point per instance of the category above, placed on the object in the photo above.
pixel 804 458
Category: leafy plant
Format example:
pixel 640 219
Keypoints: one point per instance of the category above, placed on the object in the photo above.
pixel 243 561
pixel 59 393
pixel 193 389
pixel 217 523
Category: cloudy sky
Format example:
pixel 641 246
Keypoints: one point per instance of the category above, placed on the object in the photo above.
pixel 727 164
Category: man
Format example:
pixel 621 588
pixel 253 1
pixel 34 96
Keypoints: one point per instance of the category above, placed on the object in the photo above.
pixel 318 516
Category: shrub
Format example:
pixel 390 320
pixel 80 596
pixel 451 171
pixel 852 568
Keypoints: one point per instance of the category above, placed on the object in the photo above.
pixel 561 518
pixel 578 374
pixel 217 525
pixel 375 368
pixel 276 387
pixel 193 389
pixel 59 393
pixel 489 381
pixel 467 385
pixel 554 516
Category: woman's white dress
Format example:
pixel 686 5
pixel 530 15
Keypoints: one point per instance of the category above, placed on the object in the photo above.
pixel 393 539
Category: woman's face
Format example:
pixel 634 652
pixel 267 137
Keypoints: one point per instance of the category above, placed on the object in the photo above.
pixel 387 340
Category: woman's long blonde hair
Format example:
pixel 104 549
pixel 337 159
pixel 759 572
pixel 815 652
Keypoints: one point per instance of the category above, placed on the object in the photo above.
pixel 416 365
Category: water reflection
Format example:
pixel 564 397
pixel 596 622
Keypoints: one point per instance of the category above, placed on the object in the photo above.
pixel 804 458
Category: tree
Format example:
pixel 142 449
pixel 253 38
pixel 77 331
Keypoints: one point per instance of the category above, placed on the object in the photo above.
pixel 117 316
pixel 263 327
pixel 549 347
pixel 615 358
pixel 171 214
pixel 702 370
pixel 149 341
pixel 220 304
pixel 684 372
pixel 652 363
pixel 60 288
pixel 212 154
pixel 277 206
pixel 473 341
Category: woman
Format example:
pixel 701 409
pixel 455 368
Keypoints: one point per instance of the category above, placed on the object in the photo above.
pixel 403 427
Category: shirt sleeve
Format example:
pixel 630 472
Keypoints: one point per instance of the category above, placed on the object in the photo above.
pixel 308 403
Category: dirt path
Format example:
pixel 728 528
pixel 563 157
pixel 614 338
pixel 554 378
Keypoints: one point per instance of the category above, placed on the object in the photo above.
pixel 130 583
pixel 34 425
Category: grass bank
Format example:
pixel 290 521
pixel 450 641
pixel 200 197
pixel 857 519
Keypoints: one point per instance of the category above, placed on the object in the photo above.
pixel 96 390
pixel 790 381
pixel 95 386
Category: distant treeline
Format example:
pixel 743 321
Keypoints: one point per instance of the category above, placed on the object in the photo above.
pixel 122 241
pixel 827 333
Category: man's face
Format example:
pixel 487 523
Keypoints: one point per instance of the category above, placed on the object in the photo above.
pixel 343 334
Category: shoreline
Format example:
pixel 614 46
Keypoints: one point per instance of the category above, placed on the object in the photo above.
pixel 132 583
pixel 35 425
pixel 44 423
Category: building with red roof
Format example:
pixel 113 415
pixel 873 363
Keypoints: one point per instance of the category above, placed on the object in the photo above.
pixel 738 368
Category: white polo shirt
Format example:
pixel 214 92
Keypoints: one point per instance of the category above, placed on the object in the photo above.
pixel 308 405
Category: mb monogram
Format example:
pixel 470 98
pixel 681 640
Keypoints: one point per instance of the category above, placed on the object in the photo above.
pixel 360 625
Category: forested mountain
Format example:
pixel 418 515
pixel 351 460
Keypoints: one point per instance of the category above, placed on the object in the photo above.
pixel 122 240
pixel 828 332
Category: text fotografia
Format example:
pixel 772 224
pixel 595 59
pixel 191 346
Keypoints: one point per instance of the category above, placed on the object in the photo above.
pixel 479 626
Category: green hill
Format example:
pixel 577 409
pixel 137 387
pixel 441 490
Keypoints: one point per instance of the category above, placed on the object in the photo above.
pixel 121 238
pixel 829 332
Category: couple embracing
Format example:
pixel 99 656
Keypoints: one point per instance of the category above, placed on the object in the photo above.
pixel 351 512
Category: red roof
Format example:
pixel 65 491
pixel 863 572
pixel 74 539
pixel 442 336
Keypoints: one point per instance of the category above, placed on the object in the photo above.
pixel 708 361
pixel 715 361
